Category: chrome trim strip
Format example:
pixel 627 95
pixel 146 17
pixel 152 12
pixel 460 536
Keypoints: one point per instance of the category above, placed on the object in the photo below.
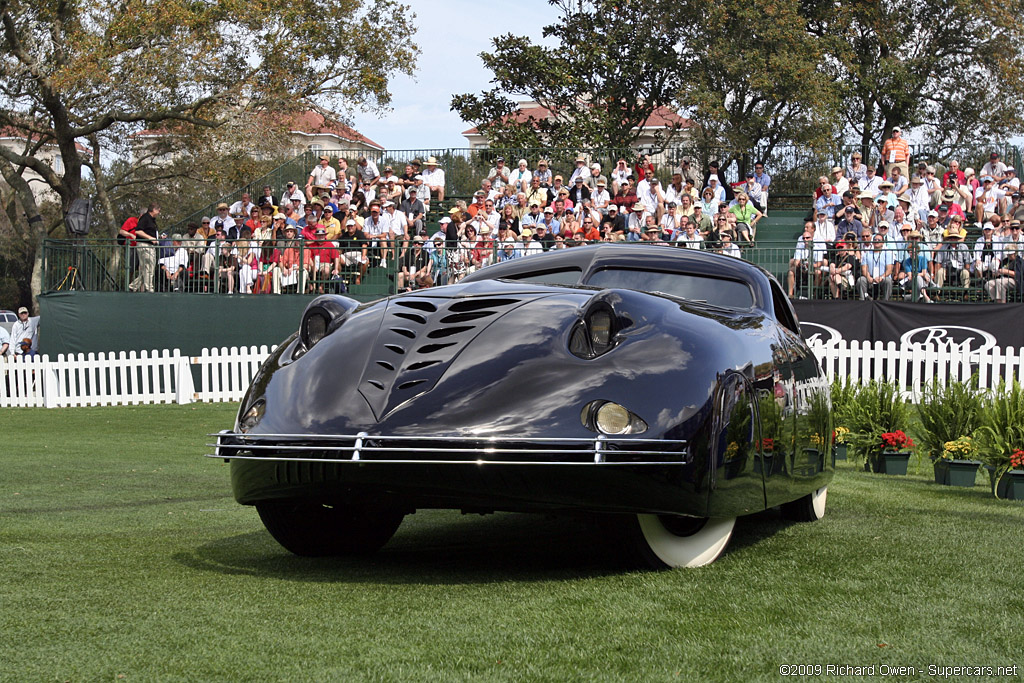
pixel 599 450
pixel 392 437
pixel 359 450
pixel 348 461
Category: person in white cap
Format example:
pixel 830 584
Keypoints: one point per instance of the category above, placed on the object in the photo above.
pixel 896 152
pixel 716 189
pixel 988 199
pixel 987 253
pixel 1010 183
pixel 994 167
pixel 433 178
pixel 26 327
pixel 291 193
pixel 498 175
pixel 399 224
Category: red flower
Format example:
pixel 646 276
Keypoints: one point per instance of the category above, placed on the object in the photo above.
pixel 1017 459
pixel 897 440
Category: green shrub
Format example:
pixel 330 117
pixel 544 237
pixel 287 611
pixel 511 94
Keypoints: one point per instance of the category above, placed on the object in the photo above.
pixel 1002 427
pixel 948 413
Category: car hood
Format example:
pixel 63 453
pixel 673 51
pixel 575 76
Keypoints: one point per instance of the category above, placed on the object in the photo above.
pixel 493 359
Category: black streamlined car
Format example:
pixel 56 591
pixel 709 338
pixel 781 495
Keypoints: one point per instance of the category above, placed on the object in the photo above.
pixel 669 387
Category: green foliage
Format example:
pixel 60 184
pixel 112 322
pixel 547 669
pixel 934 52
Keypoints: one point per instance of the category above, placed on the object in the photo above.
pixel 949 66
pixel 756 77
pixel 948 412
pixel 876 408
pixel 604 68
pixel 101 71
pixel 772 423
pixel 1002 427
pixel 843 393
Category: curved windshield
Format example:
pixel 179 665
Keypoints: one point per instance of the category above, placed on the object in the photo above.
pixel 711 290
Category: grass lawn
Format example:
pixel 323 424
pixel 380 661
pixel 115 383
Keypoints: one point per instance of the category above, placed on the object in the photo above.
pixel 124 557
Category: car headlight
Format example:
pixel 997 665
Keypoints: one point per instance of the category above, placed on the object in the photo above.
pixel 252 417
pixel 595 333
pixel 322 316
pixel 611 418
pixel 608 417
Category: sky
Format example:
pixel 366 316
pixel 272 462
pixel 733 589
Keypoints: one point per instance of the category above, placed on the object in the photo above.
pixel 450 34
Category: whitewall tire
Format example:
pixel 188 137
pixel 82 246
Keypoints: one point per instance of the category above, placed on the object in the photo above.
pixel 671 541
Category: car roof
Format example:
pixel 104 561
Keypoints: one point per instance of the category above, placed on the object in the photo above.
pixel 591 258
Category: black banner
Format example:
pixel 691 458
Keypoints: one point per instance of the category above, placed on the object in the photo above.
pixel 947 325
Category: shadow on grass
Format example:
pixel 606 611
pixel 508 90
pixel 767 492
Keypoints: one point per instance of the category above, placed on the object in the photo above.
pixel 434 547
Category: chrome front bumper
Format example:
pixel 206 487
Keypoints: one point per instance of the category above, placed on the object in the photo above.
pixel 364 448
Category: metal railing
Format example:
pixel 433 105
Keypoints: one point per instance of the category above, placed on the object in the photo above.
pixel 205 267
pixel 222 268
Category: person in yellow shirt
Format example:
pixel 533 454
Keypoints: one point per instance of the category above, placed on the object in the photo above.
pixel 331 224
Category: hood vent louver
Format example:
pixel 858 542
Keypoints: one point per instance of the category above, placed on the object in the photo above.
pixel 418 340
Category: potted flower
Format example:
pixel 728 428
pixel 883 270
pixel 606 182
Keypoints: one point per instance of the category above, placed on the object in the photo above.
pixel 957 466
pixel 1015 476
pixel 1000 441
pixel 950 414
pixel 843 394
pixel 877 416
pixel 894 452
pixel 839 436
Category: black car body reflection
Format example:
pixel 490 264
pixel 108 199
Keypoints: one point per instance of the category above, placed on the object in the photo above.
pixel 669 385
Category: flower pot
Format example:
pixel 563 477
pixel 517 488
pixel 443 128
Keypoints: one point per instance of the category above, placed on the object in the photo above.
pixel 1015 490
pixel 892 462
pixel 956 472
pixel 1010 486
pixel 840 450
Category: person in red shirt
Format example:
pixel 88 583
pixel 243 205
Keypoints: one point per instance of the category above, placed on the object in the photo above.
pixel 644 168
pixel 954 175
pixel 590 231
pixel 321 259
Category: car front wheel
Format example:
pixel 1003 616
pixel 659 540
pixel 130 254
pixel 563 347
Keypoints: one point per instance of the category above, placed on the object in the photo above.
pixel 677 541
pixel 317 530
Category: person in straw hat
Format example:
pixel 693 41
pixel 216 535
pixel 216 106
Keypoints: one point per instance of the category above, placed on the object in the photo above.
pixel 433 178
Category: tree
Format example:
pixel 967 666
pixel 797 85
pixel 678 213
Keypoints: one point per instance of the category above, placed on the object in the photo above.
pixel 755 82
pixel 604 67
pixel 92 72
pixel 950 68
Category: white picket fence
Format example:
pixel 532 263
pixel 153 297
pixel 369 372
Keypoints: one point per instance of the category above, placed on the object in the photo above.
pixel 97 379
pixel 223 374
pixel 914 366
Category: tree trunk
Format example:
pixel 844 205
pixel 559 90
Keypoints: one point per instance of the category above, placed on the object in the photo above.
pixel 35 223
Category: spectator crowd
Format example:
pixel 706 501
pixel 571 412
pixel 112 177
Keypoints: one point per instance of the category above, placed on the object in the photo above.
pixel 876 231
pixel 872 230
